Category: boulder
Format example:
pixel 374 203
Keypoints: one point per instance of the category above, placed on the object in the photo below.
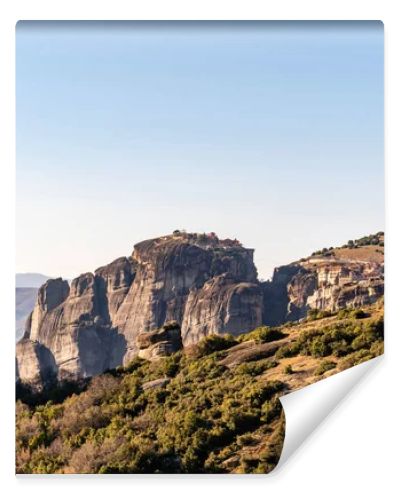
pixel 155 384
pixel 161 342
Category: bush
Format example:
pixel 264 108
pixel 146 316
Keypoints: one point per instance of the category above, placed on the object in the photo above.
pixel 271 410
pixel 289 350
pixel 164 367
pixel 314 314
pixel 337 339
pixel 255 368
pixel 324 367
pixel 214 343
pixel 352 313
pixel 263 334
pixel 288 370
pixel 245 440
pixel 319 348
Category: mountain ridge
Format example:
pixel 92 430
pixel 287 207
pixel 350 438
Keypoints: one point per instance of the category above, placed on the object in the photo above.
pixel 205 284
pixel 30 280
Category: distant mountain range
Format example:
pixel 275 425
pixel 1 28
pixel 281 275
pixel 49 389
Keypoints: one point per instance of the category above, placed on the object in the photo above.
pixel 25 299
pixel 26 288
pixel 30 280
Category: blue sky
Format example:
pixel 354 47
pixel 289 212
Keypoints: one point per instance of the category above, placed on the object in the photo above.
pixel 268 132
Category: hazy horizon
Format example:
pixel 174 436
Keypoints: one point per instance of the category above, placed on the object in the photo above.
pixel 270 132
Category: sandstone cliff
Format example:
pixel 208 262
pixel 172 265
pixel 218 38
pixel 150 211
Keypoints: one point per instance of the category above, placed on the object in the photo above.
pixel 205 284
pixel 161 342
pixel 199 284
pixel 328 282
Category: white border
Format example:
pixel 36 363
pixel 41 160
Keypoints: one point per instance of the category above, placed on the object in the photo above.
pixel 355 452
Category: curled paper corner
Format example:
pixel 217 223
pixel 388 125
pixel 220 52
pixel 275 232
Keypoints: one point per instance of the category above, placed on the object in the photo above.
pixel 306 408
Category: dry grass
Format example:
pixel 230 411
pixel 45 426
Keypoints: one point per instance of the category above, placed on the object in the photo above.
pixel 372 253
pixel 303 367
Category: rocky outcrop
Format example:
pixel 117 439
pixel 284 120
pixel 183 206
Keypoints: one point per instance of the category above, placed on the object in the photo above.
pixel 156 384
pixel 38 366
pixel 105 318
pixel 250 351
pixel 50 295
pixel 222 305
pixel 68 324
pixel 161 342
pixel 172 292
pixel 327 284
pixel 113 283
pixel 176 280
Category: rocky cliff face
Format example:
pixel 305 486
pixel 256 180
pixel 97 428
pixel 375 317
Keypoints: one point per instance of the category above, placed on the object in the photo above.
pixel 204 284
pixel 161 342
pixel 326 284
pixel 172 292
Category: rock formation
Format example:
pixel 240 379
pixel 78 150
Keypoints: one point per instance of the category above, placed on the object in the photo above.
pixel 172 292
pixel 161 342
pixel 326 284
pixel 102 320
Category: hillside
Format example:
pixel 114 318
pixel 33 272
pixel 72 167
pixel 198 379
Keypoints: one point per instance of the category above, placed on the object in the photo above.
pixel 367 249
pixel 211 407
pixel 371 253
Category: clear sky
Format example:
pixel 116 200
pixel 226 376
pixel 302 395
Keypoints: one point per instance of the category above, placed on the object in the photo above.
pixel 268 132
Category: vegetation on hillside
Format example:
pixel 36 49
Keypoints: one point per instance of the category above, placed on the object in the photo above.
pixel 203 417
pixel 200 414
pixel 370 240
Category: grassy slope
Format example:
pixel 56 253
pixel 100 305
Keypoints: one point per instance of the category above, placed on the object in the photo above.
pixel 216 408
pixel 367 249
pixel 371 253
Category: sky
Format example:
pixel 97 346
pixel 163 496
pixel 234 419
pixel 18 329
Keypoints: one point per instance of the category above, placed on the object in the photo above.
pixel 270 132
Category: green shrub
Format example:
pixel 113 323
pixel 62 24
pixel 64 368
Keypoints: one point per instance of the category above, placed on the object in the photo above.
pixel 255 368
pixel 271 410
pixel 352 313
pixel 133 365
pixel 245 440
pixel 263 334
pixel 314 314
pixel 319 348
pixel 340 339
pixel 324 367
pixel 214 343
pixel 289 350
